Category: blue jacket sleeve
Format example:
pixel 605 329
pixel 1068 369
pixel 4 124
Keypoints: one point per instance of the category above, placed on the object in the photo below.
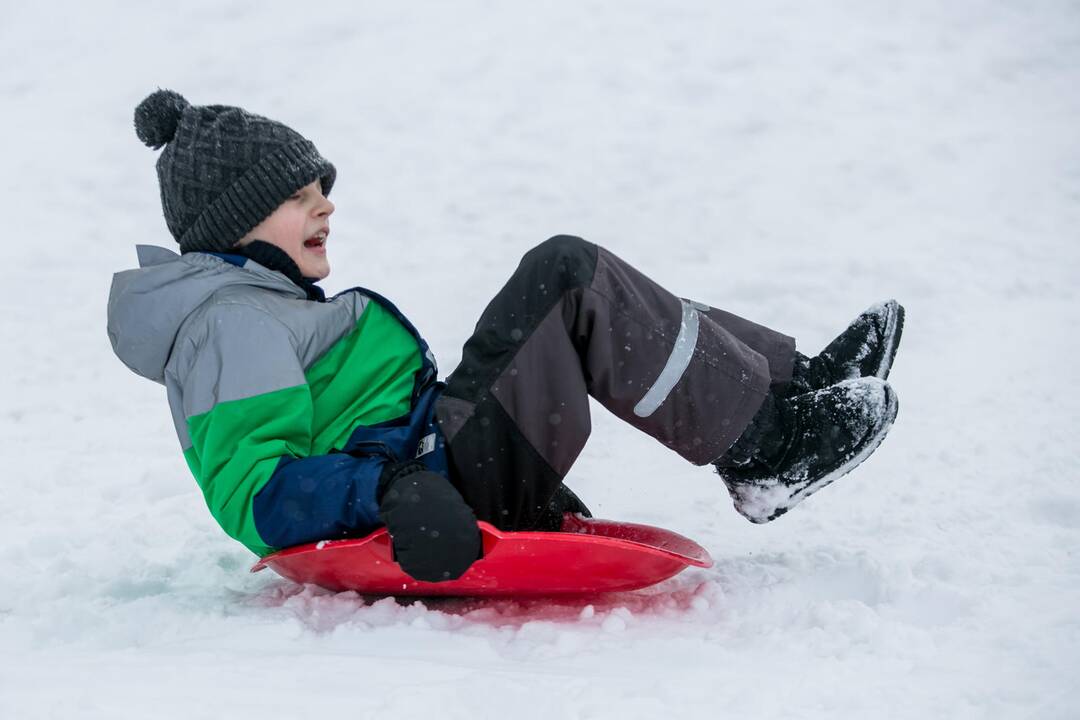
pixel 324 497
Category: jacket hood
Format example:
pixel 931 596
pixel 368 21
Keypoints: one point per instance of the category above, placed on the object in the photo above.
pixel 149 304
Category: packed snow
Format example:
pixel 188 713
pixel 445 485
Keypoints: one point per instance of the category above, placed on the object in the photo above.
pixel 789 162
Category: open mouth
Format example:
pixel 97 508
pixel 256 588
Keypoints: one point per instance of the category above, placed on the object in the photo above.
pixel 316 241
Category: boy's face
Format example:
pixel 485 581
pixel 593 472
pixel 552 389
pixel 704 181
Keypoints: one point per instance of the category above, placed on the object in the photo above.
pixel 297 227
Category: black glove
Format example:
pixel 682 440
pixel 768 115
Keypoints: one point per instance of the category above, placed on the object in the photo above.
pixel 433 531
pixel 563 500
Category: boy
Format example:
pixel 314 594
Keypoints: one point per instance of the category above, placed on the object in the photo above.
pixel 304 417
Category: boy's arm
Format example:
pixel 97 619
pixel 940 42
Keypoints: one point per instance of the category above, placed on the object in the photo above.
pixel 248 411
pixel 318 498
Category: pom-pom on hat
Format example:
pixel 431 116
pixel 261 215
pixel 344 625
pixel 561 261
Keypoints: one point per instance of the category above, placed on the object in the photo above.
pixel 223 169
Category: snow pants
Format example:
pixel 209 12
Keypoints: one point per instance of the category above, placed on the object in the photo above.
pixel 575 321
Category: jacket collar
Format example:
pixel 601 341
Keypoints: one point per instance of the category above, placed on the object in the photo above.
pixel 274 258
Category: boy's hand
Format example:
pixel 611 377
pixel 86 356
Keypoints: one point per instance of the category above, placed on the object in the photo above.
pixel 434 533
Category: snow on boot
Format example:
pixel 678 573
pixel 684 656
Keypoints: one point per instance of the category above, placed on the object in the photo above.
pixel 796 446
pixel 865 349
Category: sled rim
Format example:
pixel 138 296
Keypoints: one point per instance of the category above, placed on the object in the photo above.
pixel 576 530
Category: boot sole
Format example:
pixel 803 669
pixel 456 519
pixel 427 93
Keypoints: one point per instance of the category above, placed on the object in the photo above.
pixel 891 407
pixel 894 328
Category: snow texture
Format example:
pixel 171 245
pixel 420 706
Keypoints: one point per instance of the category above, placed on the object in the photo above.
pixel 790 162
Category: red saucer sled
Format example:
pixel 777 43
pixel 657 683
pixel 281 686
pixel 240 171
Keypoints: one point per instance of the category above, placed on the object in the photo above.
pixel 586 556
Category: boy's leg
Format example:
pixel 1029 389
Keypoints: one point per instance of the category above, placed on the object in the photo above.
pixel 575 320
pixel 778 349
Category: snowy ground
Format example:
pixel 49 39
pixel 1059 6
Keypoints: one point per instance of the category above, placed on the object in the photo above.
pixel 792 162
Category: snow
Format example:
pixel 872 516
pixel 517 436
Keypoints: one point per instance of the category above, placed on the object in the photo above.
pixel 789 162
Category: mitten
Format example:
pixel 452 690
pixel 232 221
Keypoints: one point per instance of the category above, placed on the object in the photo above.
pixel 434 533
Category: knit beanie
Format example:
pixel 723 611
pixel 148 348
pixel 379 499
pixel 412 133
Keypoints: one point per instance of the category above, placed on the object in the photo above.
pixel 223 169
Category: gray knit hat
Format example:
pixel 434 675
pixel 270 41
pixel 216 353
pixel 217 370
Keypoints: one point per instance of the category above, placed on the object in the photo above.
pixel 223 170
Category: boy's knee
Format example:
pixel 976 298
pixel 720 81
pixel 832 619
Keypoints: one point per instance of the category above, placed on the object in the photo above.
pixel 570 247
pixel 569 260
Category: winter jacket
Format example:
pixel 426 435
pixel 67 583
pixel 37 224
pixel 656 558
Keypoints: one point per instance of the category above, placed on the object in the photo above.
pixel 286 408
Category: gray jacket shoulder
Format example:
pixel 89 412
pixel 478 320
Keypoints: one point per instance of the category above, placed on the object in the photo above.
pixel 259 315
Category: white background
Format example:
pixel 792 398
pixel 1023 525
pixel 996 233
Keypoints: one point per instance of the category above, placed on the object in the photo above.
pixel 791 162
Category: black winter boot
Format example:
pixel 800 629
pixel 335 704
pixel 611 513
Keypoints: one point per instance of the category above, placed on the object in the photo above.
pixel 865 349
pixel 794 447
